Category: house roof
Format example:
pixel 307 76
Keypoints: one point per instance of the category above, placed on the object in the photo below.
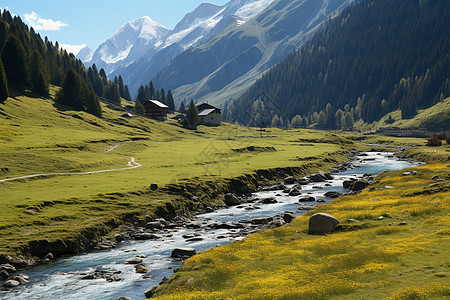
pixel 206 112
pixel 204 106
pixel 156 102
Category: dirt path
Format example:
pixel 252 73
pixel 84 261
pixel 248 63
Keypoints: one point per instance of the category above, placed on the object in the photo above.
pixel 132 164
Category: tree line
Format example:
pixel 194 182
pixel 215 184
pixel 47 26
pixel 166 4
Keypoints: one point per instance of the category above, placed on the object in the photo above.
pixel 29 62
pixel 375 57
pixel 148 92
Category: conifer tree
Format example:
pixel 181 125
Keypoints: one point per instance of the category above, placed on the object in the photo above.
pixel 14 60
pixel 182 108
pixel 141 96
pixel 275 121
pixel 38 78
pixel 163 96
pixel 93 104
pixel 152 92
pixel 112 92
pixel 3 84
pixel 72 90
pixel 322 119
pixel 192 120
pixel 121 87
pixel 139 107
pixel 127 95
pixel 170 101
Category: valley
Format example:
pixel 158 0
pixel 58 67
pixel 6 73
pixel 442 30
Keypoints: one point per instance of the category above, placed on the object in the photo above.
pixel 255 149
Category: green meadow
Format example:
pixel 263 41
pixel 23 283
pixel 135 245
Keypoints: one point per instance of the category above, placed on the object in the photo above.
pixel 39 137
pixel 392 243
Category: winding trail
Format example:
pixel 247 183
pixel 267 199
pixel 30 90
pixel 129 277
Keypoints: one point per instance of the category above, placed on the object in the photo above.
pixel 132 164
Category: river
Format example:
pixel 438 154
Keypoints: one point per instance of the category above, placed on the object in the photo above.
pixel 61 279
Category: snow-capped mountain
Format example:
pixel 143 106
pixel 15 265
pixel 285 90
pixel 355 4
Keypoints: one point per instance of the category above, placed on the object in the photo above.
pixel 85 54
pixel 224 66
pixel 128 44
pixel 138 60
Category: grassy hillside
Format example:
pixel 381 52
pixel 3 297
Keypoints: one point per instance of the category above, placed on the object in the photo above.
pixel 37 136
pixel 436 117
pixel 391 244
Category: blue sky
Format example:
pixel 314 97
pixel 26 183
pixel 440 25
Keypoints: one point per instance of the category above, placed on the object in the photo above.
pixel 92 22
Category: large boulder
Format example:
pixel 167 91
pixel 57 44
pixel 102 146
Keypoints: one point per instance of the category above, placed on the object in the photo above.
pixel 360 185
pixel 231 200
pixel 4 274
pixel 154 186
pixel 322 223
pixel 183 252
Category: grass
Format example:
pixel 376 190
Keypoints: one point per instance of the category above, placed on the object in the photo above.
pixel 370 259
pixel 37 136
pixel 433 117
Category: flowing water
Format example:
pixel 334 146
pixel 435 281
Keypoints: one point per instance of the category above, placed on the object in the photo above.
pixel 61 279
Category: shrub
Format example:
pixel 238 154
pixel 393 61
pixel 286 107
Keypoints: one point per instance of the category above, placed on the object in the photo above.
pixel 436 139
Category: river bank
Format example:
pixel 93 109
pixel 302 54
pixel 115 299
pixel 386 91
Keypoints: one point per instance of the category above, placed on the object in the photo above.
pixel 391 243
pixel 227 227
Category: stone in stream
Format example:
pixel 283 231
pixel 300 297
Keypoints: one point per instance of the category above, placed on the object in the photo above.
pixel 145 236
pixel 48 257
pixel 4 274
pixel 294 192
pixel 290 180
pixel 153 225
pixel 288 217
pixel 322 223
pixel 133 261
pixel 141 269
pixel 183 252
pixel 360 185
pixel 269 200
pixel 307 199
pixel 332 194
pixel 231 200
pixel 303 181
pixel 347 184
pixel 194 239
pixel 8 268
pixel 8 284
pixel 151 291
pixel 125 298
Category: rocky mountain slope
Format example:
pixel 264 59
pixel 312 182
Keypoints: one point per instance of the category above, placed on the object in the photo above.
pixel 227 64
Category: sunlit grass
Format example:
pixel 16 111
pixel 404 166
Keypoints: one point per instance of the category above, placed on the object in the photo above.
pixel 382 259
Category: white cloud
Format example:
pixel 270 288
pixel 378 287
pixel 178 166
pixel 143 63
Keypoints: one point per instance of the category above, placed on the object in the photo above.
pixel 74 49
pixel 38 23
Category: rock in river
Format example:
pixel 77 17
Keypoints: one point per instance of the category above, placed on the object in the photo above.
pixel 332 194
pixel 288 217
pixel 11 284
pixel 231 200
pixel 183 252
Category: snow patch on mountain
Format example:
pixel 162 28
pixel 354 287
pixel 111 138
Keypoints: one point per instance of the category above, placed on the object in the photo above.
pixel 252 9
pixel 206 24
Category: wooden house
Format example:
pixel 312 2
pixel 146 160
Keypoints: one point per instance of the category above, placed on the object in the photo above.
pixel 156 110
pixel 209 115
